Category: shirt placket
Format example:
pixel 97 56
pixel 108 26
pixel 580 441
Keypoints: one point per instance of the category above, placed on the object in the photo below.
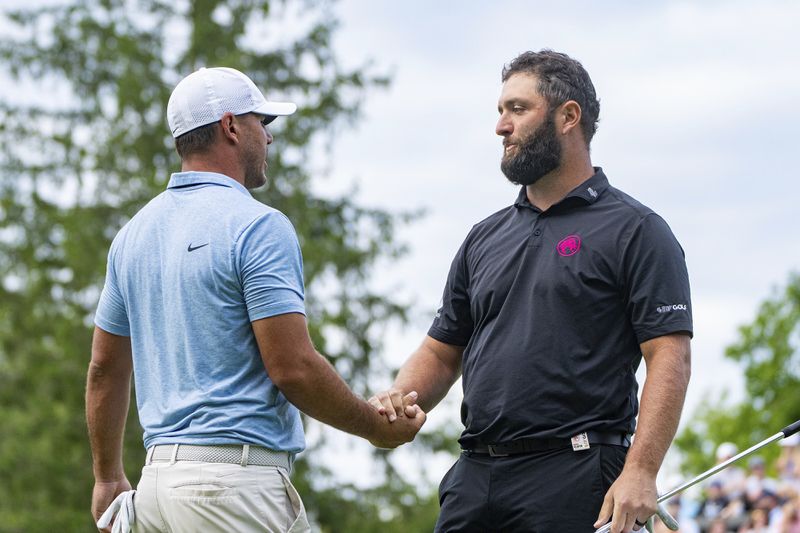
pixel 536 231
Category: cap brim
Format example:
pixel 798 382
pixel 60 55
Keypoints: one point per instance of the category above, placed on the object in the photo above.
pixel 276 109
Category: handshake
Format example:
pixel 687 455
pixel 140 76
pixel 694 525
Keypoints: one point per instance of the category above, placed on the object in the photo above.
pixel 401 417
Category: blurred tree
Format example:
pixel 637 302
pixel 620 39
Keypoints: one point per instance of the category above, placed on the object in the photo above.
pixel 84 144
pixel 769 350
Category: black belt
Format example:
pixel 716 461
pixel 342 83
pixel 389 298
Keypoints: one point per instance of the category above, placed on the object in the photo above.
pixel 519 446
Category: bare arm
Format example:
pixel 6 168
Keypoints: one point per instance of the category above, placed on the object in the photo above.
pixel 313 385
pixel 429 372
pixel 633 496
pixel 108 389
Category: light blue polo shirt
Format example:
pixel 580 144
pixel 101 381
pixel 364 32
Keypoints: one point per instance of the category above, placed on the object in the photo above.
pixel 186 276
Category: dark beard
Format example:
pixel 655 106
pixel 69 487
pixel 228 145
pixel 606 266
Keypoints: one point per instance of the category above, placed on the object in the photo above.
pixel 537 156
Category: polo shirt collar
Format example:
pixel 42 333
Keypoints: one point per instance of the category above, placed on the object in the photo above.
pixel 193 178
pixel 589 191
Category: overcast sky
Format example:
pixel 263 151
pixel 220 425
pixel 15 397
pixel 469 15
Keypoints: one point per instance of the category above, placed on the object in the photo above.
pixel 699 121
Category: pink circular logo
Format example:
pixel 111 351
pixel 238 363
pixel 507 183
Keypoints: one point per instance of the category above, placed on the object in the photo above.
pixel 569 245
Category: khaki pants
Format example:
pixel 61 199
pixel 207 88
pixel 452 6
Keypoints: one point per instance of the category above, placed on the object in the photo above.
pixel 192 497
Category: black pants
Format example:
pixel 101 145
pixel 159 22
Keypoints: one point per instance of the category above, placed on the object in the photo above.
pixel 541 492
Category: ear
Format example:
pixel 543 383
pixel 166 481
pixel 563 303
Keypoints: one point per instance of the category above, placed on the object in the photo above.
pixel 570 116
pixel 230 128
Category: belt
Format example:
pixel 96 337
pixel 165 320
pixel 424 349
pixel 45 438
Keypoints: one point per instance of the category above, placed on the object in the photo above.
pixel 582 441
pixel 241 454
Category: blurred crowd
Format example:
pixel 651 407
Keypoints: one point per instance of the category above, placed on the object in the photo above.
pixel 746 500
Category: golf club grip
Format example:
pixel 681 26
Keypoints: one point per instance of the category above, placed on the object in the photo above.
pixel 791 429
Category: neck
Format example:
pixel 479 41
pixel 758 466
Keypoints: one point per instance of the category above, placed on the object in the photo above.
pixel 213 162
pixel 553 187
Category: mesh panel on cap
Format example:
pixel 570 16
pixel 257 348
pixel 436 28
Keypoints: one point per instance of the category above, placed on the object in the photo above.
pixel 225 98
pixel 204 96
pixel 241 104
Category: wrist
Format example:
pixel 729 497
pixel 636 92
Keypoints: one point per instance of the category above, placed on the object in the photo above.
pixel 109 475
pixel 375 424
pixel 641 468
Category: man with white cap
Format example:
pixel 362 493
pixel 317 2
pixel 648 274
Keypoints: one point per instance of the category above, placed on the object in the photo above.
pixel 203 305
pixel 733 477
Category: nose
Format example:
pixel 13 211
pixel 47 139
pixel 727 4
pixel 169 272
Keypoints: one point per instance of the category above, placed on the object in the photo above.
pixel 504 128
pixel 269 136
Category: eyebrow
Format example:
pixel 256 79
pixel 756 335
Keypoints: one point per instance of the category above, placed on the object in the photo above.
pixel 511 103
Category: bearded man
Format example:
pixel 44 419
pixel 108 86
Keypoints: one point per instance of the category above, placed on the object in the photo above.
pixel 549 307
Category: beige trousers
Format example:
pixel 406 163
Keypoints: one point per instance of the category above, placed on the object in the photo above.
pixel 192 497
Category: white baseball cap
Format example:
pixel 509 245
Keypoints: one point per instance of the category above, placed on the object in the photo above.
pixel 205 95
pixel 726 450
pixel 791 440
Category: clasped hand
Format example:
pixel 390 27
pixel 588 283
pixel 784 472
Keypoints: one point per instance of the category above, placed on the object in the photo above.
pixel 404 416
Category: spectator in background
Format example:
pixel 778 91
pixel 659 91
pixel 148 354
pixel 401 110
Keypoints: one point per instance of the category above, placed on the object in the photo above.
pixel 757 522
pixel 789 522
pixel 784 517
pixel 717 525
pixel 733 477
pixel 712 506
pixel 758 486
pixel 788 464
pixel 676 508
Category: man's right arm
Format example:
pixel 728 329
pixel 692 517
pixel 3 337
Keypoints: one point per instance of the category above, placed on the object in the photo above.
pixel 430 372
pixel 310 383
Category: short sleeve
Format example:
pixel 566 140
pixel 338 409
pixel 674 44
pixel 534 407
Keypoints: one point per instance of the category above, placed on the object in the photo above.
pixel 271 267
pixel 453 323
pixel 656 282
pixel 112 314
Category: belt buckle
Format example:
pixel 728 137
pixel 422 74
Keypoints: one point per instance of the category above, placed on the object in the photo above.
pixel 493 453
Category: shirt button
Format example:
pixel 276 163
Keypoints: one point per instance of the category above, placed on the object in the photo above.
pixel 537 232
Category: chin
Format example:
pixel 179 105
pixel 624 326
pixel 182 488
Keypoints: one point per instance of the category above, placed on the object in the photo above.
pixel 255 183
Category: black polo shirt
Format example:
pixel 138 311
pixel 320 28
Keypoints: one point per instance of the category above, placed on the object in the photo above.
pixel 552 307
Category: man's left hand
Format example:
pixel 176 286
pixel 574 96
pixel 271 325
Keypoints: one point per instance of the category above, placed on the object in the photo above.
pixel 104 493
pixel 631 500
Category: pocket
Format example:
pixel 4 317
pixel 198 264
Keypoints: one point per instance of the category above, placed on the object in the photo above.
pixel 203 492
pixel 444 485
pixel 612 459
pixel 300 523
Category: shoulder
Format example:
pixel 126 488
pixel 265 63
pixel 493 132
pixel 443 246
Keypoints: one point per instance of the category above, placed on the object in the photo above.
pixel 266 228
pixel 264 217
pixel 632 216
pixel 626 204
pixel 491 225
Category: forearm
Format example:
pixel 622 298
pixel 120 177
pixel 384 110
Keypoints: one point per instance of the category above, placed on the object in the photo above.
pixel 310 383
pixel 107 402
pixel 317 389
pixel 429 374
pixel 668 372
pixel 428 377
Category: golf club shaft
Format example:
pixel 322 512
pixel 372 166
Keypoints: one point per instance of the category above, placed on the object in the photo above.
pixel 789 430
pixel 708 473
pixel 705 475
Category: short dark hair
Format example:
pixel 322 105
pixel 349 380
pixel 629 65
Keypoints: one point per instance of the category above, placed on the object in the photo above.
pixel 198 140
pixel 561 78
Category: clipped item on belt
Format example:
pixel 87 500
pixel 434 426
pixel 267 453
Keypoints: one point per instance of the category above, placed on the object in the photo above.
pixel 580 442
pixel 122 507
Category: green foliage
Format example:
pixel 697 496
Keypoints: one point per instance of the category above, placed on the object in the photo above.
pixel 768 349
pixel 84 144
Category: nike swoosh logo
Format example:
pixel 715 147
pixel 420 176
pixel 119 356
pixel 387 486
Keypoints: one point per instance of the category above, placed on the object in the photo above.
pixel 191 249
